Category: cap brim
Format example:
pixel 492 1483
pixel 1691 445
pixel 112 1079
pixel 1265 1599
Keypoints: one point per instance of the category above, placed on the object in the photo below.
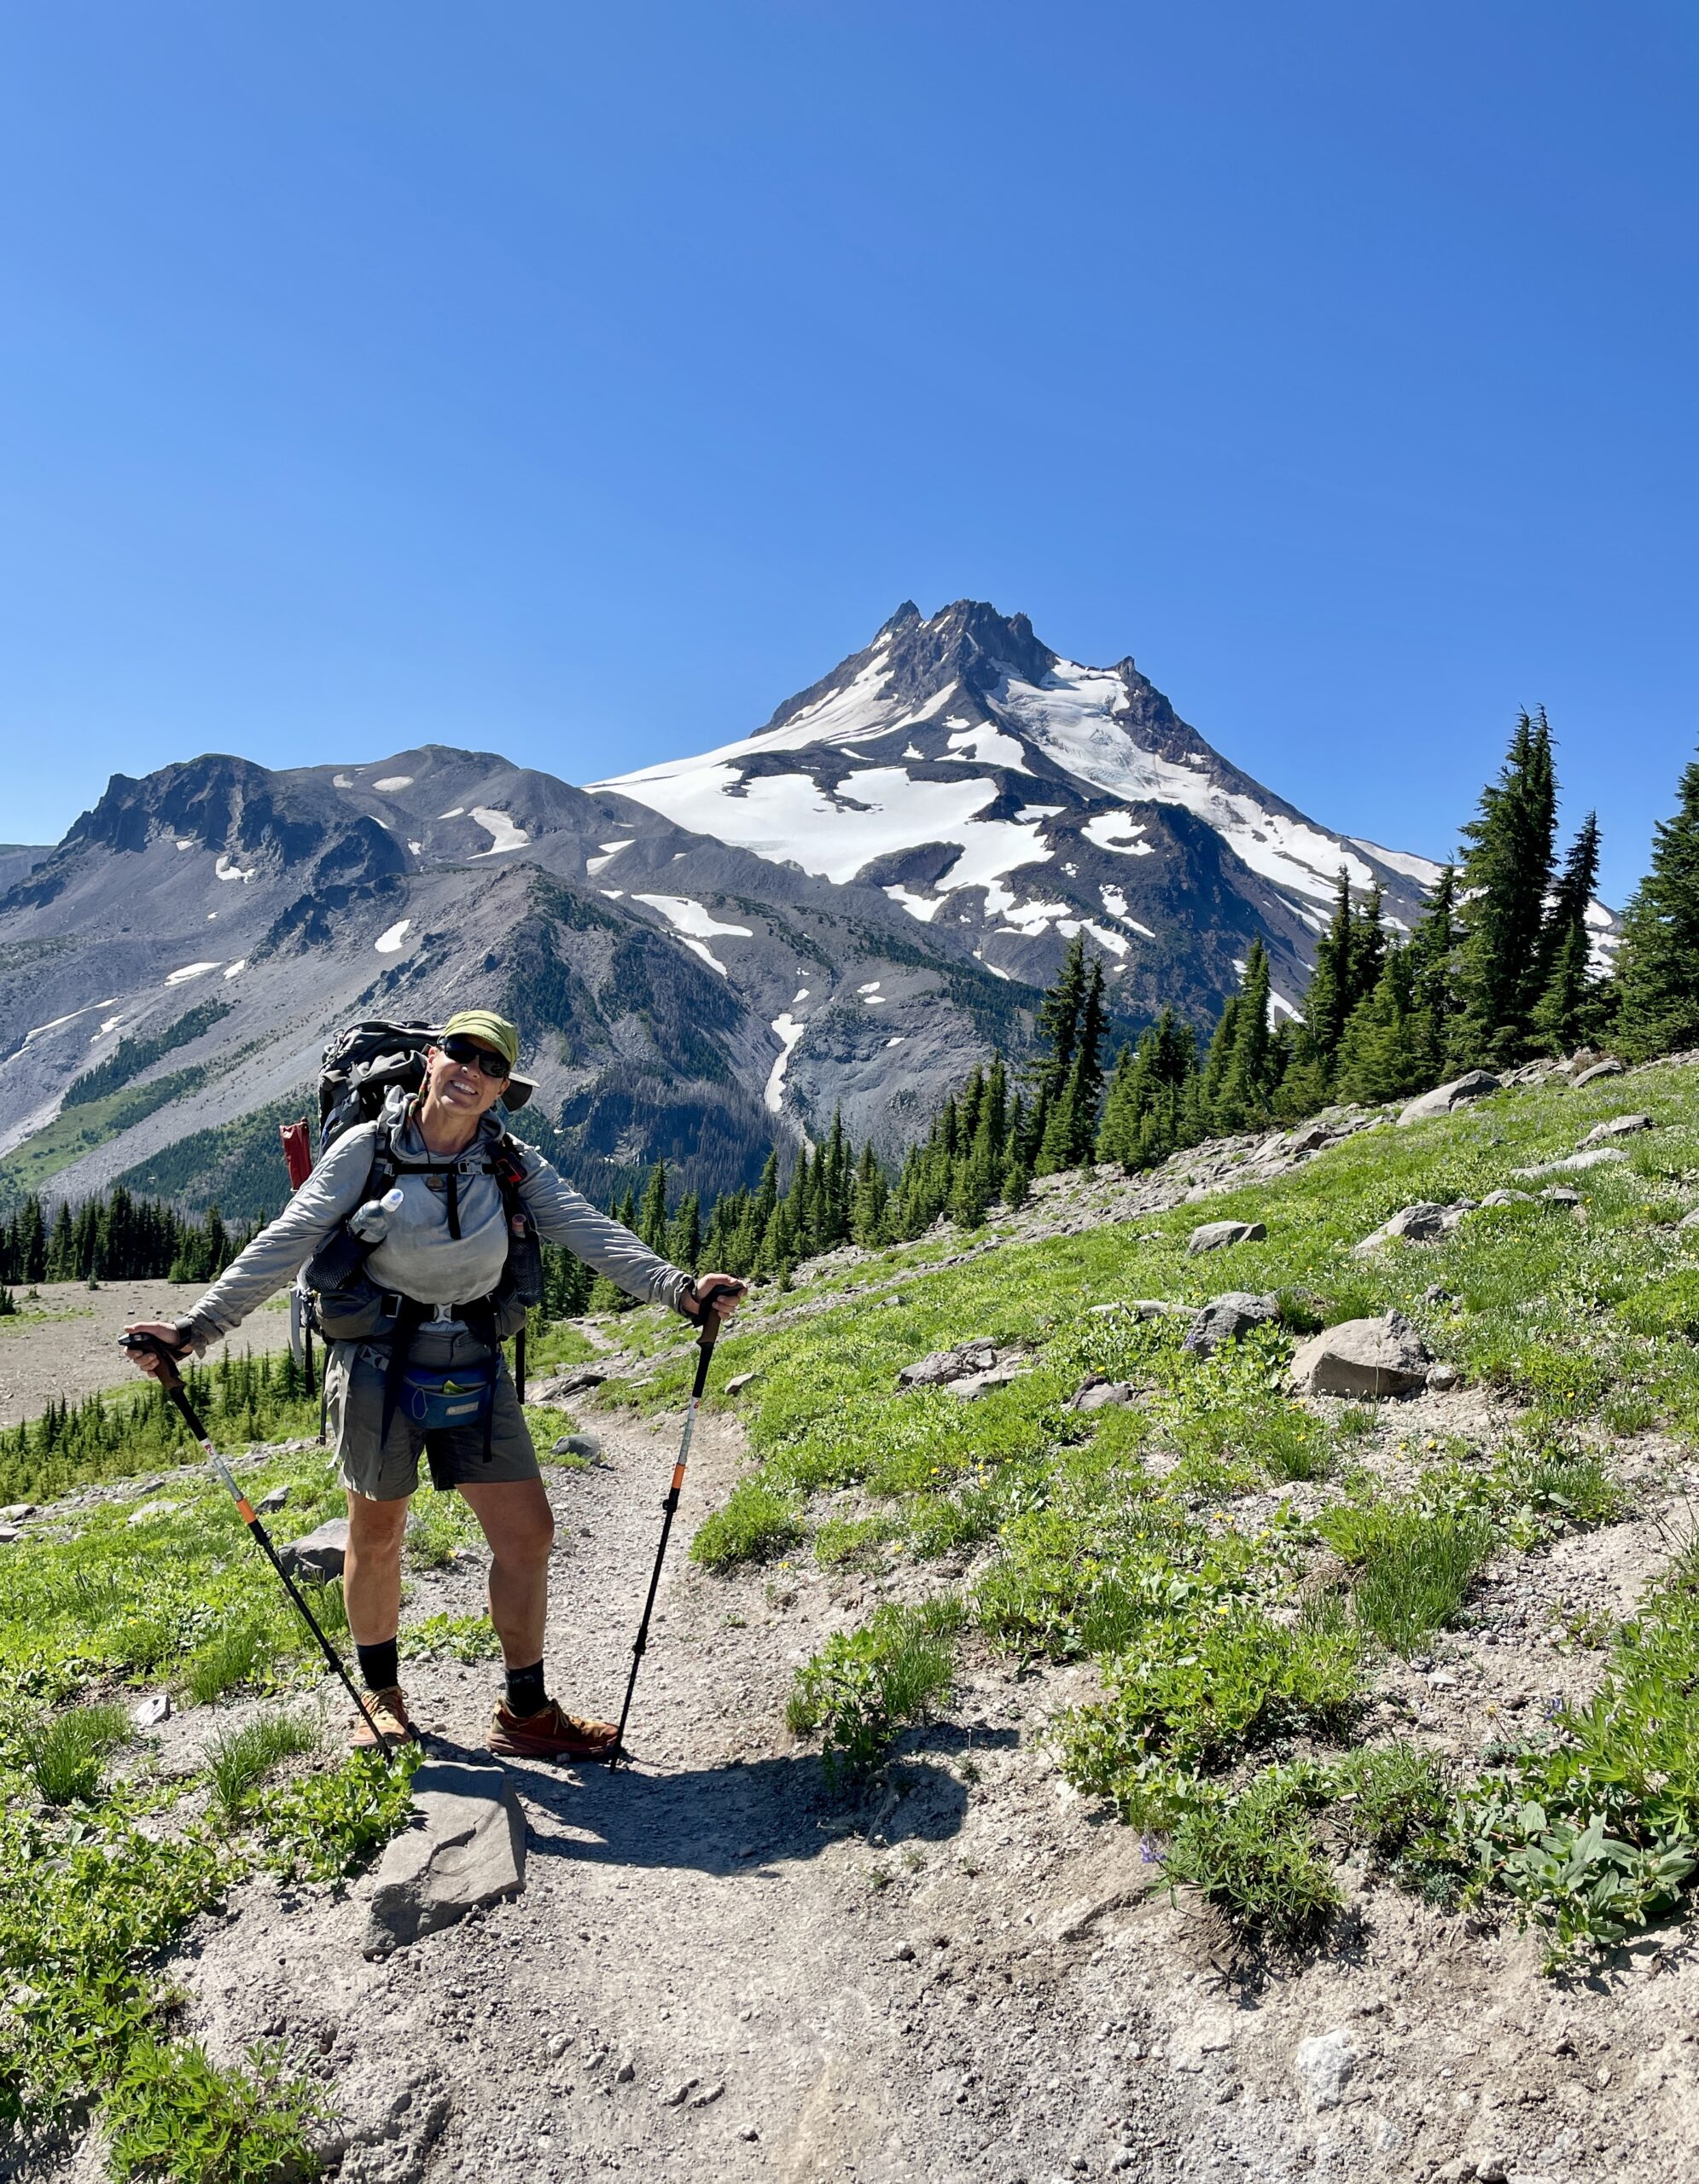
pixel 518 1089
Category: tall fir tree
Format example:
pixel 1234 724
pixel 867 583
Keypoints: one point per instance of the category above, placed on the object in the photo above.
pixel 1431 960
pixel 1377 1058
pixel 1569 1005
pixel 1658 963
pixel 1240 1098
pixel 1506 879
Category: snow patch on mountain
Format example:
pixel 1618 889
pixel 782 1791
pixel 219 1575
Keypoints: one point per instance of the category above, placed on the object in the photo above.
pixel 787 1029
pixel 1421 869
pixel 1117 831
pixel 191 971
pixel 504 833
pixel 228 868
pixel 392 784
pixel 1072 717
pixel 388 942
pixel 592 865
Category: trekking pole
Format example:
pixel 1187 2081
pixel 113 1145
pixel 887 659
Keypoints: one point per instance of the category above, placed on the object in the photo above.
pixel 172 1381
pixel 705 1343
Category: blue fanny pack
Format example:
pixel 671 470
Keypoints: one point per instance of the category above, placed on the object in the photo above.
pixel 438 1401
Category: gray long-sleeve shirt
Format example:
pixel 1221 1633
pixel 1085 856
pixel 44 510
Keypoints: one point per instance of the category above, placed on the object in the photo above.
pixel 418 1257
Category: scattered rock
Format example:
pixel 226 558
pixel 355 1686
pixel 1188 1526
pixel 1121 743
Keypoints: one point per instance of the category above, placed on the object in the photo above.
pixel 1424 1222
pixel 979 1384
pixel 1363 1358
pixel 1608 1068
pixel 1226 1318
pixel 1102 1395
pixel 465 1848
pixel 707 2099
pixel 268 1504
pixel 1508 1198
pixel 738 1382
pixel 626 2071
pixel 1618 1126
pixel 556 2045
pixel 939 1367
pixel 154 1709
pixel 1441 1379
pixel 1560 1194
pixel 149 1510
pixel 319 1554
pixel 680 2094
pixel 1311 1139
pixel 578 1444
pixel 1473 1084
pixel 1325 2064
pixel 1600 1156
pixel 1689 1220
pixel 1216 1235
pixel 577 1382
pixel 15 1512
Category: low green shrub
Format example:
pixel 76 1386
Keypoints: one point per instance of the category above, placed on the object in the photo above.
pixel 1255 1858
pixel 448 1638
pixel 1199 1698
pixel 225 1661
pixel 170 2114
pixel 1416 1572
pixel 64 1754
pixel 754 1524
pixel 865 1685
pixel 328 1827
pixel 243 1757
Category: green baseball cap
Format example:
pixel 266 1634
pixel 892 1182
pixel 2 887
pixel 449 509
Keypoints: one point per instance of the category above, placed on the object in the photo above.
pixel 495 1031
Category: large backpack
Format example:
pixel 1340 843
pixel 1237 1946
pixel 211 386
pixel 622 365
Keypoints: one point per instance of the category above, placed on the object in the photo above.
pixel 359 1070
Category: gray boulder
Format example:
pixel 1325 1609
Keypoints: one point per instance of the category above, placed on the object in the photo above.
pixel 1216 1235
pixel 1508 1198
pixel 1224 1319
pixel 317 1555
pixel 1102 1395
pixel 1424 1222
pixel 1618 1126
pixel 1370 1358
pixel 1608 1068
pixel 1600 1156
pixel 578 1444
pixel 1689 1220
pixel 268 1504
pixel 970 1388
pixel 1559 1194
pixel 465 1848
pixel 939 1367
pixel 1473 1084
pixel 577 1382
pixel 15 1512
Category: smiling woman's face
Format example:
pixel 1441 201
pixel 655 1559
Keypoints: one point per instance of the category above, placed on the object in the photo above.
pixel 461 1087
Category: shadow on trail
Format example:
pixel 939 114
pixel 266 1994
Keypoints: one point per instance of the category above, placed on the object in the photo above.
pixel 736 1818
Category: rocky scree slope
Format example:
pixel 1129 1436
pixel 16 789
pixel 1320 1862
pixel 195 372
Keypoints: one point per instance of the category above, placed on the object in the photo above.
pixel 707 957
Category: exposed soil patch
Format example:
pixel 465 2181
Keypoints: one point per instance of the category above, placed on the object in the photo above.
pixel 66 1346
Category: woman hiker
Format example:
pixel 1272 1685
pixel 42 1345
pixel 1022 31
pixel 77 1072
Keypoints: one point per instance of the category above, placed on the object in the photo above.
pixel 436 1270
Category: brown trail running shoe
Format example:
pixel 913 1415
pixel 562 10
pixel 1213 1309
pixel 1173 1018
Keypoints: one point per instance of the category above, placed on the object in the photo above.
pixel 390 1708
pixel 553 1733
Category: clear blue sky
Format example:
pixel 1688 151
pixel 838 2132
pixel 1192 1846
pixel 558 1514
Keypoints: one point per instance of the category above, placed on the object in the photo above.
pixel 577 382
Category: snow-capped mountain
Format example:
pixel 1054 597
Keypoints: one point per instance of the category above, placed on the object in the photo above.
pixel 706 956
pixel 982 782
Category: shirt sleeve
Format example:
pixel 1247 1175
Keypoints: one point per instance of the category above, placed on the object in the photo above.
pixel 563 1216
pixel 283 1246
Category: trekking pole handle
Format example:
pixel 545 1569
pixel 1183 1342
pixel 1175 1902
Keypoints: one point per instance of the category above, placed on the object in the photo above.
pixel 168 1376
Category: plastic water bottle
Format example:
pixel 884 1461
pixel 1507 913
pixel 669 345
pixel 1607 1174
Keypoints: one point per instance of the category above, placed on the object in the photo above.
pixel 370 1223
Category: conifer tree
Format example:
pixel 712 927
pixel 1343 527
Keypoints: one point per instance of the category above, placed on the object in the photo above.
pixel 1328 999
pixel 1059 1016
pixel 1569 1005
pixel 651 1223
pixel 1376 1056
pixel 867 1212
pixel 1658 965
pixel 1071 1121
pixel 1431 961
pixel 1239 1098
pixel 1506 879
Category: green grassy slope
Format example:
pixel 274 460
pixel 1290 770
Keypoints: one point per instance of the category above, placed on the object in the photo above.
pixel 1237 1643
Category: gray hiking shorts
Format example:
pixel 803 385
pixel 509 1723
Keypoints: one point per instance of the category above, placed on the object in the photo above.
pixel 353 1389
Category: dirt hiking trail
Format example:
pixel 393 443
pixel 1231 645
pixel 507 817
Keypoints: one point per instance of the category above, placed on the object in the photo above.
pixel 717 1971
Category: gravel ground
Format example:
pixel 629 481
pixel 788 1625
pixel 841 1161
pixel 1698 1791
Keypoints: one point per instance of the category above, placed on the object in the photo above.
pixel 717 1973
pixel 66 1345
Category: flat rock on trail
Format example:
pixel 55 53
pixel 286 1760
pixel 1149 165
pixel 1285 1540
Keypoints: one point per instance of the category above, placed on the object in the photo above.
pixel 717 1971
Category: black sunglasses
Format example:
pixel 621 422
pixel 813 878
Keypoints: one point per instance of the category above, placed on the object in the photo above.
pixel 462 1050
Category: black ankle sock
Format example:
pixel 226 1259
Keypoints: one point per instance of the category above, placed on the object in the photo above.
pixel 526 1694
pixel 379 1665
